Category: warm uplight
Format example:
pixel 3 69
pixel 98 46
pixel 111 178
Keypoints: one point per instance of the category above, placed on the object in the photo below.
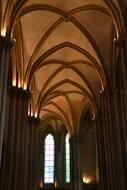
pixel 31 113
pixel 3 32
pixel 115 40
pixel 55 183
pixel 28 111
pixel 24 86
pixel 35 115
pixel 41 184
pixel 14 82
pixel 86 180
pixel 19 84
pixel 93 118
pixel 102 90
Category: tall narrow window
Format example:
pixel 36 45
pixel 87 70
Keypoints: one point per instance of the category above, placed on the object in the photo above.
pixel 49 159
pixel 67 151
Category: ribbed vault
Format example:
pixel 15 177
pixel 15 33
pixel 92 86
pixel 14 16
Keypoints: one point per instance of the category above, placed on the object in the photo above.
pixel 63 54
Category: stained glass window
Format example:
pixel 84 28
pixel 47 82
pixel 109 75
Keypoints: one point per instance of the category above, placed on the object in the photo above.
pixel 49 159
pixel 67 150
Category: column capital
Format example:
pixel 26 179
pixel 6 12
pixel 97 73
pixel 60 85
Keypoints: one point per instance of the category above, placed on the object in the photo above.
pixel 34 120
pixel 103 92
pixel 100 119
pixel 122 42
pixel 74 138
pixel 19 91
pixel 117 91
pixel 6 42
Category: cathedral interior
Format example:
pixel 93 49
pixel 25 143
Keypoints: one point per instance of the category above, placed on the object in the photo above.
pixel 63 95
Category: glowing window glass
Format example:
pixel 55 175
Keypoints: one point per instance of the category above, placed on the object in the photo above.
pixel 49 159
pixel 67 150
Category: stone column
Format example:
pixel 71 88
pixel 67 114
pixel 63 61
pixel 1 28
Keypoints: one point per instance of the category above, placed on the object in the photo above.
pixel 119 139
pixel 101 154
pixel 59 178
pixel 76 161
pixel 34 168
pixel 122 104
pixel 107 143
pixel 111 138
pixel 14 172
pixel 122 45
pixel 102 143
pixel 5 45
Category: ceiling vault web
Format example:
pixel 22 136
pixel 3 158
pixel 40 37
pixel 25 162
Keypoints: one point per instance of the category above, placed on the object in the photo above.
pixel 63 54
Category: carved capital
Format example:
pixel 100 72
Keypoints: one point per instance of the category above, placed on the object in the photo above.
pixel 6 42
pixel 120 42
pixel 19 91
pixel 34 120
pixel 100 119
pixel 117 91
pixel 102 92
pixel 74 139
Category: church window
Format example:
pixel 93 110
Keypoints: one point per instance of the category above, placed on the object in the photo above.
pixel 67 157
pixel 49 163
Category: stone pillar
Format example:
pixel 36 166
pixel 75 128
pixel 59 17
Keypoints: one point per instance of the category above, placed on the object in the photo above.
pixel 111 142
pixel 122 45
pixel 5 45
pixel 59 178
pixel 101 154
pixel 76 161
pixel 34 168
pixel 101 132
pixel 122 105
pixel 119 139
pixel 15 160
pixel 60 170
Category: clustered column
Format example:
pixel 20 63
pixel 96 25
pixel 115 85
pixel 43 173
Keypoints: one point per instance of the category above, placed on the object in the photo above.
pixel 5 45
pixel 16 145
pixel 76 169
pixel 111 141
pixel 33 165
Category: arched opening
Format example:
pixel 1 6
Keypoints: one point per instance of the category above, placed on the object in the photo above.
pixel 49 159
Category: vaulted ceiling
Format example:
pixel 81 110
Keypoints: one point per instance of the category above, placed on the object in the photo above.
pixel 63 54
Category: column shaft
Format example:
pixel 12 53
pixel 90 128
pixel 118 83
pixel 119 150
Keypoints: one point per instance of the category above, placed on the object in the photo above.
pixel 15 164
pixel 5 45
pixel 112 140
pixel 76 170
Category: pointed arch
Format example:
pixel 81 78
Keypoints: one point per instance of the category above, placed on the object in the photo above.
pixel 49 158
pixel 70 65
pixel 86 93
pixel 67 159
pixel 56 48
